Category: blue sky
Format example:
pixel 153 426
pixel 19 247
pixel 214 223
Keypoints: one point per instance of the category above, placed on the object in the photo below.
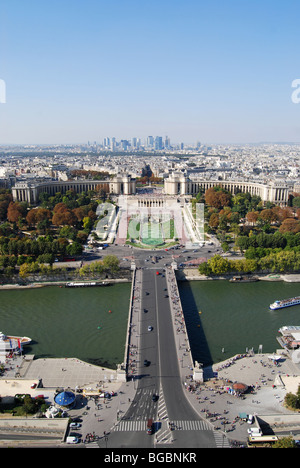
pixel 211 71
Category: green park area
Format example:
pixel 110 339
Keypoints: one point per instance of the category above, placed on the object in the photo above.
pixel 151 232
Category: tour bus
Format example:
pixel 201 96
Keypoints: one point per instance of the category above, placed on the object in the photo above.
pixel 261 441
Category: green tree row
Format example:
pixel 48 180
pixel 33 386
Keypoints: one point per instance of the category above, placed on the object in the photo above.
pixel 264 240
pixel 110 263
pixel 36 247
pixel 283 261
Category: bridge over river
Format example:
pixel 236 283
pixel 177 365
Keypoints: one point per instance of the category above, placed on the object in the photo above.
pixel 159 360
pixel 152 290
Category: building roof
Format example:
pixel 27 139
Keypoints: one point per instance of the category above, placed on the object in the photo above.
pixel 65 398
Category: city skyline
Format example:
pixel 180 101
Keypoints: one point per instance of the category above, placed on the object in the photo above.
pixel 216 73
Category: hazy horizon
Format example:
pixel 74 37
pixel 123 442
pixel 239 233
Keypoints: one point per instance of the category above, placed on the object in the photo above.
pixel 215 72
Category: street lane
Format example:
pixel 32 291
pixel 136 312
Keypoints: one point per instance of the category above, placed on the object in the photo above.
pixel 161 377
pixel 178 407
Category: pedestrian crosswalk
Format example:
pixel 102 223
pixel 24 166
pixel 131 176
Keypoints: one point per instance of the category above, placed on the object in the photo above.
pixel 164 428
pixel 92 445
pixel 190 425
pixel 131 425
pixel 221 440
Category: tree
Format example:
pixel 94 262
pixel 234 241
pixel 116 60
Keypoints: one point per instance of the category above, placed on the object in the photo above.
pixel 252 216
pixel 225 247
pixel 43 226
pixel 296 202
pixel 285 442
pixel 291 400
pixel 64 217
pixel 15 211
pixel 28 405
pixel 249 265
pixel 60 207
pixel 214 220
pixel 74 249
pixel 217 197
pixel 46 258
pixel 290 225
pixel 219 265
pixel 87 223
pixel 80 213
pixel 268 216
pixel 241 203
pixel 111 263
pixel 204 269
pixel 24 270
pixel 242 242
pixel 31 217
pixel 42 214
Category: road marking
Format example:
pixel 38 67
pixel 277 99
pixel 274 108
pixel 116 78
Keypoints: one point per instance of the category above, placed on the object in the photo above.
pixel 134 426
pixel 92 445
pixel 191 425
pixel 221 440
pixel 164 435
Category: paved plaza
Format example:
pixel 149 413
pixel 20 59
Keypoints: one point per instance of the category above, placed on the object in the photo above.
pixel 210 400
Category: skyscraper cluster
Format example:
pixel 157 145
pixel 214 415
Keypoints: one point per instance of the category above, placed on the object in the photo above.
pixel 151 142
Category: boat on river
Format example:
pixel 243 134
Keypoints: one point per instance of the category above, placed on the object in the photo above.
pixel 285 303
pixel 86 284
pixel 12 343
pixel 243 279
pixel 290 337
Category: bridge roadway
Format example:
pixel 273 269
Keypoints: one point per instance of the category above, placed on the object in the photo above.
pixel 162 377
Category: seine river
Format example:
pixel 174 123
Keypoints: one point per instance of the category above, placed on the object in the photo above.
pixel 234 317
pixel 223 319
pixel 86 323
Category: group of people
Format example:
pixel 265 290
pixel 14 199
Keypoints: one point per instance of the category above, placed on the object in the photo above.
pixel 230 362
pixel 90 437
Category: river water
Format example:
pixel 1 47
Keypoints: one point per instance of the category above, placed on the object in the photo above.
pixel 224 319
pixel 69 322
pixel 66 322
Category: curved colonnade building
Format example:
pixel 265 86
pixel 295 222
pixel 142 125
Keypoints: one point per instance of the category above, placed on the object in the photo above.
pixel 274 192
pixel 177 184
pixel 30 191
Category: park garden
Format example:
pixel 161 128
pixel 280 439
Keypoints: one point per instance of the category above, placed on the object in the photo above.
pixel 267 236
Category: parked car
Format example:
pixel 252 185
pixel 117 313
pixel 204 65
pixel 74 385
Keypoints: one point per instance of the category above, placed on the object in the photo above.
pixel 75 425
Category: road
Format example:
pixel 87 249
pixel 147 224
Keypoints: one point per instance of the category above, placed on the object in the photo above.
pixel 160 377
pixel 142 257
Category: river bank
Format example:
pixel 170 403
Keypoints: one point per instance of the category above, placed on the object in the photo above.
pixel 42 284
pixel 186 274
pixel 192 274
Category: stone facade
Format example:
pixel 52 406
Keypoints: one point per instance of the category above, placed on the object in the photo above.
pixel 30 191
pixel 177 184
pixel 275 192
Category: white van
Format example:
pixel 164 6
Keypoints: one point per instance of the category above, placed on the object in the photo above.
pixel 250 419
pixel 254 431
pixel 72 440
